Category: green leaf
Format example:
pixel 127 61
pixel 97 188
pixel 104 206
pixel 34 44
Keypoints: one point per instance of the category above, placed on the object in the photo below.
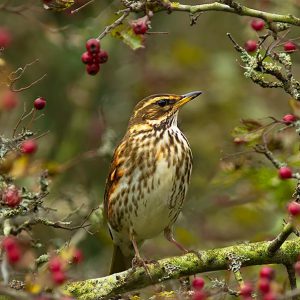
pixel 249 132
pixel 126 34
pixel 59 5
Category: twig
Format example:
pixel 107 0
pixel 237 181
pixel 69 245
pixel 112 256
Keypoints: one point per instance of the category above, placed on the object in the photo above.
pixel 280 239
pixel 16 75
pixel 81 7
pixel 28 86
pixel 56 224
pixel 242 10
pixel 116 23
pixel 292 279
pixel 22 118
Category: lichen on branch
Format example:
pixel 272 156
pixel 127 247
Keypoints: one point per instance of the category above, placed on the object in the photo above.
pixel 175 267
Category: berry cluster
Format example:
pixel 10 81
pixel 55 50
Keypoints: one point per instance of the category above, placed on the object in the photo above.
pixel 93 57
pixel 57 266
pixel 198 285
pixel 266 276
pixel 252 45
pixel 12 249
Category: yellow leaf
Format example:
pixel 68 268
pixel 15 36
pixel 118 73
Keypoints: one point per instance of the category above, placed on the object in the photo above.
pixel 20 166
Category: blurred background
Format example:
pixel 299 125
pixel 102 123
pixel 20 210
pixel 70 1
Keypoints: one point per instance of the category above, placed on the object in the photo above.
pixel 230 200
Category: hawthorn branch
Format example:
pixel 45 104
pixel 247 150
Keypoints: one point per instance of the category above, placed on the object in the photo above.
pixel 185 265
pixel 237 9
pixel 56 224
pixel 281 238
pixel 292 278
pixel 116 23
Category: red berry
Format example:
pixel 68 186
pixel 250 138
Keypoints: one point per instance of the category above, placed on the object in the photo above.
pixel 294 208
pixel 199 295
pixel 5 37
pixel 11 196
pixel 140 26
pixel 77 256
pixel 9 243
pixel 14 255
pixel 251 46
pixel 39 103
pixel 289 47
pixel 92 46
pixel 270 296
pixel 55 264
pixel 29 147
pixel 257 24
pixel 264 285
pixel 285 173
pixel 297 267
pixel 246 290
pixel 59 277
pixel 198 283
pixel 103 57
pixel 289 118
pixel 9 100
pixel 93 69
pixel 267 273
pixel 87 58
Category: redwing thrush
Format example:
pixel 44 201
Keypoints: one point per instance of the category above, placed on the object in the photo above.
pixel 148 179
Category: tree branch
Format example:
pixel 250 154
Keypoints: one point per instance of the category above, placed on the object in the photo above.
pixel 243 11
pixel 281 238
pixel 292 279
pixel 172 268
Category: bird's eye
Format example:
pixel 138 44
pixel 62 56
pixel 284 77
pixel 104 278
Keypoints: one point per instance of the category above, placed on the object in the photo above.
pixel 162 102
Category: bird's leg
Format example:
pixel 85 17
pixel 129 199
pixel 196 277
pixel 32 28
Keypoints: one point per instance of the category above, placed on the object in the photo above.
pixel 138 261
pixel 169 236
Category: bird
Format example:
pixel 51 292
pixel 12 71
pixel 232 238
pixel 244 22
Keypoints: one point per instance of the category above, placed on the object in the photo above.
pixel 148 178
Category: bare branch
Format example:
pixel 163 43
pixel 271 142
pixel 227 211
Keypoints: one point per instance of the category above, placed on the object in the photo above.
pixel 114 24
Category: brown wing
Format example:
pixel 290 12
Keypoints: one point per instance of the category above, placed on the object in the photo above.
pixel 114 176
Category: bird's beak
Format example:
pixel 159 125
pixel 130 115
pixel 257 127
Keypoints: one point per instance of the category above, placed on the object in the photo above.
pixel 187 98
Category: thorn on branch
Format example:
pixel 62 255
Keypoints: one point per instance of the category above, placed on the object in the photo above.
pixel 194 18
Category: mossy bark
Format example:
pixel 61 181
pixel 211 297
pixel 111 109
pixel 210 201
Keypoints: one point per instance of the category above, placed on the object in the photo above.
pixel 246 254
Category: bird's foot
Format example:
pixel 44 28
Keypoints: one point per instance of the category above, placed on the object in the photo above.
pixel 139 262
pixel 197 253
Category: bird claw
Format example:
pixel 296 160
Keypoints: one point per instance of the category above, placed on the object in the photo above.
pixel 139 262
pixel 197 253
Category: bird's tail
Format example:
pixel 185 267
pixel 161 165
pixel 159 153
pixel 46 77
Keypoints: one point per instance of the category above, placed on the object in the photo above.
pixel 119 262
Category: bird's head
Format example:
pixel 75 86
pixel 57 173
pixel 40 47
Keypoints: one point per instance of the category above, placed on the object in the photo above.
pixel 159 110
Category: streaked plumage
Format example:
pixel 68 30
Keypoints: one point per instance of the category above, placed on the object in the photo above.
pixel 149 176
